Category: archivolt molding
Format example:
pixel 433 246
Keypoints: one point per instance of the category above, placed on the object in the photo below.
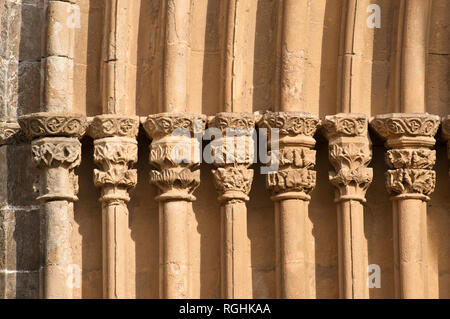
pixel 350 153
pixel 175 154
pixel 295 177
pixel 410 137
pixel 232 178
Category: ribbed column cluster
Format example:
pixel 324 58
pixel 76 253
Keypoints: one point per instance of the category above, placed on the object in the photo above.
pixel 176 155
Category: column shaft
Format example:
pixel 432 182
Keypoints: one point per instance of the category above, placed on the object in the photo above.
pixel 174 250
pixel 57 257
pixel 176 157
pixel 176 55
pixel 291 182
pixel 352 251
pixel 115 243
pixel 236 268
pixel 294 276
pixel 414 53
pixel 115 152
pixel 350 153
pixel 410 260
pixel 410 180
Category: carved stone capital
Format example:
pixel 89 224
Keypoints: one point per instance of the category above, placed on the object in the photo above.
pixel 410 137
pixel 291 183
pixel 175 151
pixel 407 129
pixel 10 133
pixel 233 154
pixel 350 153
pixel 295 177
pixel 53 124
pixel 57 157
pixel 161 125
pixel 233 183
pixel 115 156
pixel 111 125
pixel 176 183
pixel 345 124
pixel 290 123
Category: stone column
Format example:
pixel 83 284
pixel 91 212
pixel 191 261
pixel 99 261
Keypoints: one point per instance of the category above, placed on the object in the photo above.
pixel 59 55
pixel 446 132
pixel 410 180
pixel 234 152
pixel 115 152
pixel 350 152
pixel 56 151
pixel 291 185
pixel 175 151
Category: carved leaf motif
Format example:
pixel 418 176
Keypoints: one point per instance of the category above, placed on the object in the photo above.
pixel 410 158
pixel 410 181
pixel 116 176
pixel 233 179
pixel 302 180
pixel 185 180
pixel 50 154
pixel 350 155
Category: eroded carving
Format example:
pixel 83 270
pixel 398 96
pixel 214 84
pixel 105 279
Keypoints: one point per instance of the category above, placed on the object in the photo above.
pixel 233 183
pixel 350 153
pixel 176 155
pixel 295 177
pixel 115 156
pixel 410 157
pixel 57 157
pixel 233 154
pixel 10 133
pixel 56 152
